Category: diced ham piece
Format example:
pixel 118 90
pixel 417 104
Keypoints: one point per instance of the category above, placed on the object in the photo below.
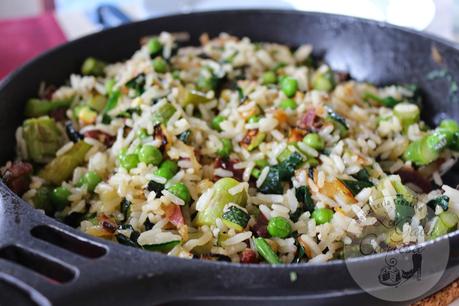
pixel 248 256
pixel 17 176
pixel 101 136
pixel 174 215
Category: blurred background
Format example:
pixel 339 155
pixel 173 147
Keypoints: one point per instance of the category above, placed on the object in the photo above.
pixel 29 27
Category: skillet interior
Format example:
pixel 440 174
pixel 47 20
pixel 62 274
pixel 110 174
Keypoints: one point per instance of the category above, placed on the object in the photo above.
pixel 368 50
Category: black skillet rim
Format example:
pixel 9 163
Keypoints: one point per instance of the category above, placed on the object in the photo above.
pixel 112 246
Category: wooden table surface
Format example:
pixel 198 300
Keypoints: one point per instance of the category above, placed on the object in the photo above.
pixel 443 297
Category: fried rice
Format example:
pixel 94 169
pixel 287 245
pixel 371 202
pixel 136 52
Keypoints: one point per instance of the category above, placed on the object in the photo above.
pixel 235 150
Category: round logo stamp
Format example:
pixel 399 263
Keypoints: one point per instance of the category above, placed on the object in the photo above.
pixel 405 270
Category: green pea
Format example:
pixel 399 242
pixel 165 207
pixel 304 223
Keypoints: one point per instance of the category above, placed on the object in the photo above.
pixel 159 65
pixel 150 155
pixel 288 104
pixel 129 161
pixel 322 215
pixel 227 147
pixel 59 198
pixel 216 122
pixel 167 169
pixel 315 141
pixel 268 77
pixel 181 191
pixel 90 180
pixel 154 46
pixel 289 86
pixel 254 119
pixel 279 227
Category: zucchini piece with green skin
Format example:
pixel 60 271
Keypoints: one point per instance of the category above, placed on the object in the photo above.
pixel 264 249
pixel 164 247
pixel 445 223
pixel 281 172
pixel 387 102
pixel 427 149
pixel 235 218
pixel 442 201
pixel 193 97
pixel 61 168
pixel 37 107
pixel 450 129
pixel 42 137
pixel 407 114
pixel 272 183
pixel 220 198
pixel 163 114
pixel 338 122
pixel 288 166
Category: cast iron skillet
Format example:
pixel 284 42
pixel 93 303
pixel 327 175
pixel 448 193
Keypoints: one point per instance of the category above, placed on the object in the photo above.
pixel 43 262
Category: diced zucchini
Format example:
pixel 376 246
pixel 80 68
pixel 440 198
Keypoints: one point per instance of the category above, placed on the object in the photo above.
pixel 235 218
pixel 37 107
pixel 221 197
pixel 338 122
pixel 164 247
pixel 163 114
pixel 61 168
pixel 42 137
pixel 193 97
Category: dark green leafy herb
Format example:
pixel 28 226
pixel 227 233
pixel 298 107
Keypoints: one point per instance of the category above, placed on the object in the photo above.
pixel 155 186
pixel 356 186
pixel 125 208
pixel 362 175
pixel 148 224
pixel 303 195
pixel 404 211
pixel 441 201
pixel 185 136
pixel 137 84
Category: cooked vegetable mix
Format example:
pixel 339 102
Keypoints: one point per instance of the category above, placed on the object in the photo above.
pixel 235 150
